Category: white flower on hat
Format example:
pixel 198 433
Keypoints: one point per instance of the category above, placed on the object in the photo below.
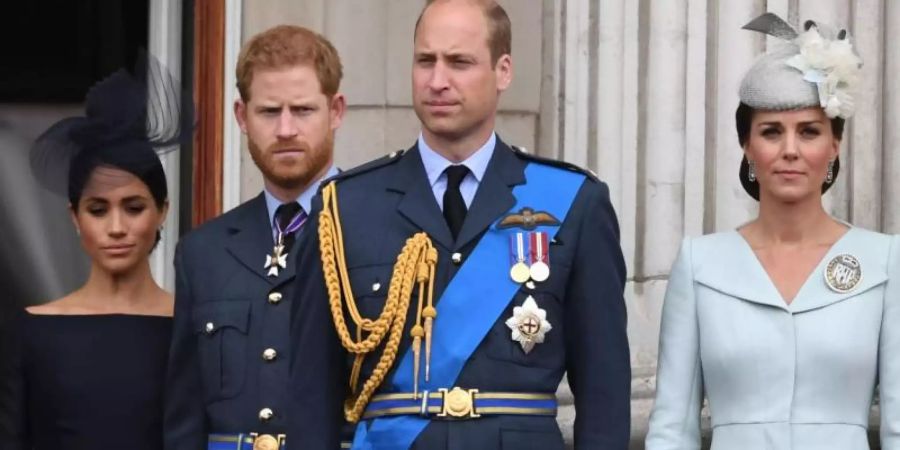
pixel 833 66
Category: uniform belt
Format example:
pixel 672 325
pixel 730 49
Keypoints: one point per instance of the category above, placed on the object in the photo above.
pixel 251 441
pixel 458 403
pixel 246 441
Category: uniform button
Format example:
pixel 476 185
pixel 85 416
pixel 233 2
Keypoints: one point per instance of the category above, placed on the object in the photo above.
pixel 266 414
pixel 269 354
pixel 210 327
pixel 274 298
pixel 376 287
pixel 456 258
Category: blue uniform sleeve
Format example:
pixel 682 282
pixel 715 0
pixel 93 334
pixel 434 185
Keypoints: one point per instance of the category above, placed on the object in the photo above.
pixel 598 358
pixel 185 426
pixel 318 378
pixel 675 420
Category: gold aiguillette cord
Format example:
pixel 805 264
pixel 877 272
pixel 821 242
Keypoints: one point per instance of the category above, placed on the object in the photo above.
pixel 415 264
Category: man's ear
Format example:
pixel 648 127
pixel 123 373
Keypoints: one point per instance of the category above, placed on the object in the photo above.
pixel 504 71
pixel 338 108
pixel 240 113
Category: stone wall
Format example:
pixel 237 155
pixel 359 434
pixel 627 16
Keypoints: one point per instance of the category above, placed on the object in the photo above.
pixel 374 39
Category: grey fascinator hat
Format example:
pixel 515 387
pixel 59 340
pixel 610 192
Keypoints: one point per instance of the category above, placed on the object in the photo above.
pixel 815 67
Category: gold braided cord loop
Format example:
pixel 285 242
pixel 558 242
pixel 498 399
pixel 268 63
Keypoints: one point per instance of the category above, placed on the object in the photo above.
pixel 414 266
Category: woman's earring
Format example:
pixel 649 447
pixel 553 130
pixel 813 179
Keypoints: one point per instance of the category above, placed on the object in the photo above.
pixel 829 176
pixel 751 173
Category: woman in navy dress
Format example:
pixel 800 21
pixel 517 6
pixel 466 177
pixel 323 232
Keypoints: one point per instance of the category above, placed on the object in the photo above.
pixel 85 371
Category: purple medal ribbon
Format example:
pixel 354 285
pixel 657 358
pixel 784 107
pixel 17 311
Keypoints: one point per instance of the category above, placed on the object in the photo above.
pixel 296 222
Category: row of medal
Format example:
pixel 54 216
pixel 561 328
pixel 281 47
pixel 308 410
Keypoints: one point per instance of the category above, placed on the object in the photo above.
pixel 529 256
pixel 529 262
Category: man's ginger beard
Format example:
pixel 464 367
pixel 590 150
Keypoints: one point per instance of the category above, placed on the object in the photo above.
pixel 299 173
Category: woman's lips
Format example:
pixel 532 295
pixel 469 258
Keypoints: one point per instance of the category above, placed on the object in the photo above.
pixel 118 249
pixel 789 174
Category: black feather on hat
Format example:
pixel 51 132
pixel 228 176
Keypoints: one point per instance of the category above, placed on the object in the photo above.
pixel 130 120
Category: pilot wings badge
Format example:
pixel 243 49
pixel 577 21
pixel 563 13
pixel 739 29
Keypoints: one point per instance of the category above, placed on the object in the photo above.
pixel 527 219
pixel 528 324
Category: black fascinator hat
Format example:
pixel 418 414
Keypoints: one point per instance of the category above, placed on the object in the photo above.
pixel 131 118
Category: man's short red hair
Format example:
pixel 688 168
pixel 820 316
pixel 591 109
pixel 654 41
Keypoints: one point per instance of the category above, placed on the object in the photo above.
pixel 286 46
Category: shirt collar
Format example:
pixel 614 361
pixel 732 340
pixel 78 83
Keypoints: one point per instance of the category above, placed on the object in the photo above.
pixel 435 163
pixel 305 198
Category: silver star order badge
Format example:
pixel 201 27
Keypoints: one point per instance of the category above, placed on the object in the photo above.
pixel 276 260
pixel 528 324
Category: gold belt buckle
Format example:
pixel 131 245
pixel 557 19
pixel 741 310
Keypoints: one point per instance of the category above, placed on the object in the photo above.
pixel 458 403
pixel 267 441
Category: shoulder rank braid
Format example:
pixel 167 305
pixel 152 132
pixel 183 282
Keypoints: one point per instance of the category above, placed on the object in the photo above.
pixel 415 264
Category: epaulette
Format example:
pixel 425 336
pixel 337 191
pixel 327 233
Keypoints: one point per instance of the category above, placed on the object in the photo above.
pixel 522 153
pixel 369 166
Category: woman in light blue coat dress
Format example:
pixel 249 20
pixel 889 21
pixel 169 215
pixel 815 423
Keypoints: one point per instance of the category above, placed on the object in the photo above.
pixel 788 324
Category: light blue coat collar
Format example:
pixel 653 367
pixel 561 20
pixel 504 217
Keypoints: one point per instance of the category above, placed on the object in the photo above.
pixel 729 265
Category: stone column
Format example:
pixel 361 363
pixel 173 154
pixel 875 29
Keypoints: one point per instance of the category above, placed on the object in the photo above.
pixel 734 52
pixel 891 126
pixel 164 43
pixel 865 177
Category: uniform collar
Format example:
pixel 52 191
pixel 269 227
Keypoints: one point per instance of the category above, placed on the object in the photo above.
pixel 305 198
pixel 435 164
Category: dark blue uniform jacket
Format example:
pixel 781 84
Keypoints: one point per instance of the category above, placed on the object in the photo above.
pixel 384 203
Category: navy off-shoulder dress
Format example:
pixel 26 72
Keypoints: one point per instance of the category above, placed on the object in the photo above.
pixel 70 382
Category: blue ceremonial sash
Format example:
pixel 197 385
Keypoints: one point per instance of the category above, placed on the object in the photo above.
pixel 482 285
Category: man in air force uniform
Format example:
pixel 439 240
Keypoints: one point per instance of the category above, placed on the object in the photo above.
pixel 509 272
pixel 229 362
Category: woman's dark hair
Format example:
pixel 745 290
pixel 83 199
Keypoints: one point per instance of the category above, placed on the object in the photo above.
pixel 138 159
pixel 144 164
pixel 743 119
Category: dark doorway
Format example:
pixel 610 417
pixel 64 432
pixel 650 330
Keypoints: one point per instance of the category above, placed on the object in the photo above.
pixel 51 53
pixel 54 50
